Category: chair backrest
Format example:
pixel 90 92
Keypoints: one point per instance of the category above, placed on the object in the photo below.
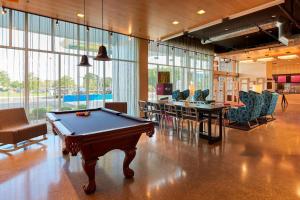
pixel 117 106
pixel 244 97
pixel 267 96
pixel 205 93
pixel 12 117
pixel 200 95
pixel 186 94
pixel 189 111
pixel 170 109
pixel 273 103
pixel 142 106
pixel 156 107
pixel 175 94
pixel 257 105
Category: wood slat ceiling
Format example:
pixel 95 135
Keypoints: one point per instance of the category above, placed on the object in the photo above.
pixel 151 19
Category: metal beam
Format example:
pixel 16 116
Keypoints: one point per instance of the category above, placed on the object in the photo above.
pixel 287 14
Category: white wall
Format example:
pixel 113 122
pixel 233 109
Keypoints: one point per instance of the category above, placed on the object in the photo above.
pixel 253 70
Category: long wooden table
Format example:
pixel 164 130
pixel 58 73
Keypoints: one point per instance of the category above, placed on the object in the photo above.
pixel 204 110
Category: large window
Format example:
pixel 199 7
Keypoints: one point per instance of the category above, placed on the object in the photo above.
pixel 38 66
pixel 186 68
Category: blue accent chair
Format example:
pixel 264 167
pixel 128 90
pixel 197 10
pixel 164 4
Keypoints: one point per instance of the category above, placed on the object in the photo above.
pixel 201 95
pixel 185 94
pixel 245 114
pixel 258 105
pixel 270 101
pixel 175 95
pixel 205 94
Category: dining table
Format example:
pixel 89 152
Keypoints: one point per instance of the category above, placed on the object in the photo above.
pixel 211 111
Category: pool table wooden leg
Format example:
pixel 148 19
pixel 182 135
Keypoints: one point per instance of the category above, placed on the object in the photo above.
pixel 129 156
pixel 89 168
pixel 65 151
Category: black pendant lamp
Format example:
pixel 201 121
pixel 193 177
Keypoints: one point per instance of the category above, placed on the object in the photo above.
pixel 102 52
pixel 84 58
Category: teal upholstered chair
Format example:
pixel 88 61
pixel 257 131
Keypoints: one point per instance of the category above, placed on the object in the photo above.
pixel 257 107
pixel 186 94
pixel 201 95
pixel 176 95
pixel 270 101
pixel 249 112
pixel 273 104
pixel 242 114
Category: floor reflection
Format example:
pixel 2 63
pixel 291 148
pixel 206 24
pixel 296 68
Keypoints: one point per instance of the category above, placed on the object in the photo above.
pixel 259 164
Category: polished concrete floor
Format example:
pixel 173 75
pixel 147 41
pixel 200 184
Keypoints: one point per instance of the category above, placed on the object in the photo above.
pixel 260 164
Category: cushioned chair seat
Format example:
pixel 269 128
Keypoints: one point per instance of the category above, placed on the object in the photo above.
pixel 18 134
pixel 15 128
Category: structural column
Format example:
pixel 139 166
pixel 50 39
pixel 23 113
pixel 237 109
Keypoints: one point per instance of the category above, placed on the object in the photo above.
pixel 143 69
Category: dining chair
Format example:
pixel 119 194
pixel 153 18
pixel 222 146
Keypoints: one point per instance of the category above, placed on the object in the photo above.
pixel 191 115
pixel 173 112
pixel 143 108
pixel 157 111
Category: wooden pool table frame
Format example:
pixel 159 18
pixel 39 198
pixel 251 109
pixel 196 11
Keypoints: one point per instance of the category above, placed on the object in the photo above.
pixel 96 144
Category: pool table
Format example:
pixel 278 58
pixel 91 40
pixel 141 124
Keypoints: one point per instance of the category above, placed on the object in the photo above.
pixel 95 135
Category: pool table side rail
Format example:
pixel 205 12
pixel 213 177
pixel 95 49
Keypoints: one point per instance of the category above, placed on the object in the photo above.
pixel 75 143
pixel 59 128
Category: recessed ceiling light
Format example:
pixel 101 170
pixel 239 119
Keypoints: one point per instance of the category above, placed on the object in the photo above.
pixel 80 15
pixel 247 36
pixel 247 61
pixel 175 22
pixel 226 29
pixel 266 59
pixel 288 57
pixel 201 12
pixel 273 16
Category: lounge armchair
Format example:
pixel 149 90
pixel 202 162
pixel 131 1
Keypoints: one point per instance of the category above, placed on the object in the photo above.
pixel 257 107
pixel 201 95
pixel 175 95
pixel 249 112
pixel 117 106
pixel 270 101
pixel 185 94
pixel 15 129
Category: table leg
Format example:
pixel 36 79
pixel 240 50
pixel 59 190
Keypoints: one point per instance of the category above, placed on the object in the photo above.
pixel 201 123
pixel 65 151
pixel 209 127
pixel 220 124
pixel 129 156
pixel 89 168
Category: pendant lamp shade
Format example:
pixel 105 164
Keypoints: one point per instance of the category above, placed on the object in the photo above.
pixel 102 54
pixel 84 61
